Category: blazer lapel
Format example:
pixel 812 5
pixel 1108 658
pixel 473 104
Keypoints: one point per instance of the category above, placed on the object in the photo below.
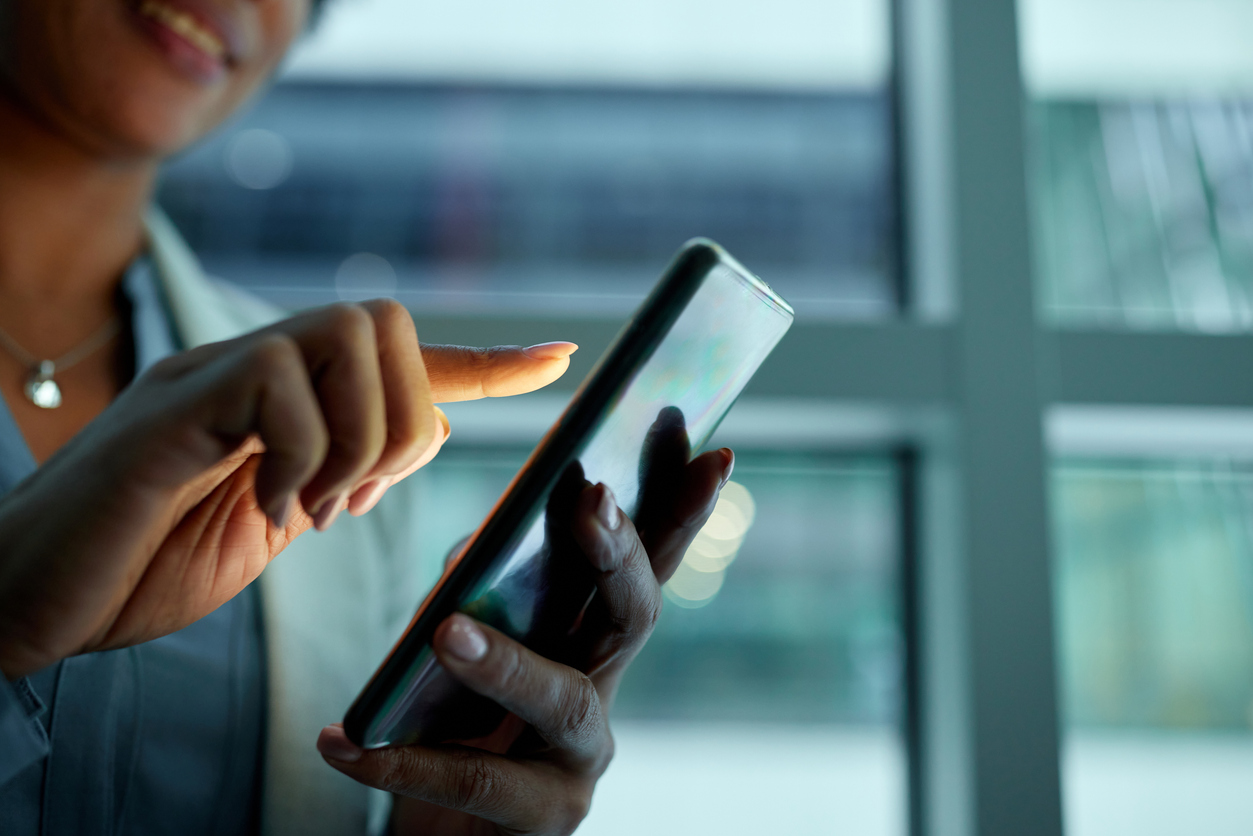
pixel 321 641
pixel 202 313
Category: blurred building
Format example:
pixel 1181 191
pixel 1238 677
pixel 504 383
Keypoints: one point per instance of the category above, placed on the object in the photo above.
pixel 545 199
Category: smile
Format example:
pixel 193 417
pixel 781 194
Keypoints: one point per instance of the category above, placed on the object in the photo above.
pixel 186 27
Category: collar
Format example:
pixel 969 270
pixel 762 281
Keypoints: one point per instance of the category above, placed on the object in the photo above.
pixel 204 311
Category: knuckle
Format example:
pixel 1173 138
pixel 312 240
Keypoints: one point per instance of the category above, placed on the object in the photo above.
pixel 511 669
pixel 650 614
pixel 275 355
pixel 480 358
pixel 357 444
pixel 390 314
pixel 476 784
pixel 408 439
pixel 639 617
pixel 351 324
pixel 581 715
pixel 574 809
pixel 354 445
pixel 396 773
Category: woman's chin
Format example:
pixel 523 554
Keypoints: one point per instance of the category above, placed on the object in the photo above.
pixel 136 112
pixel 141 131
pixel 130 79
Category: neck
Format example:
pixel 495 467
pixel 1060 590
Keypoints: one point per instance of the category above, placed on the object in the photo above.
pixel 70 222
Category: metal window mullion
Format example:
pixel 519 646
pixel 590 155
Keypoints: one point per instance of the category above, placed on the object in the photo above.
pixel 988 742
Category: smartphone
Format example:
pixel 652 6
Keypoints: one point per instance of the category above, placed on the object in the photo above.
pixel 653 400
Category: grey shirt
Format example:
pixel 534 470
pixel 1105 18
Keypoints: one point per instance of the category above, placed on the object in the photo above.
pixel 164 737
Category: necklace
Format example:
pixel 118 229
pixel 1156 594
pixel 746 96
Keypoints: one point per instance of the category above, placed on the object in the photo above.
pixel 41 389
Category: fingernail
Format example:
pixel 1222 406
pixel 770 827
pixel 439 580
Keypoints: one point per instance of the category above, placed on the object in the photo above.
pixel 280 510
pixel 443 419
pixel 329 511
pixel 464 639
pixel 607 510
pixel 728 468
pixel 550 351
pixel 368 496
pixel 334 744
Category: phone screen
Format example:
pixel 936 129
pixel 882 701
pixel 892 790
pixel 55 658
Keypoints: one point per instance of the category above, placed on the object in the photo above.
pixel 650 425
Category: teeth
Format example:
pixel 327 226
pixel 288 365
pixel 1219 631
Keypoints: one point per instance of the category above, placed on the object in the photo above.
pixel 185 26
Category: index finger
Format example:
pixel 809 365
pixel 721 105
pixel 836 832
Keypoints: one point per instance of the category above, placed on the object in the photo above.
pixel 460 373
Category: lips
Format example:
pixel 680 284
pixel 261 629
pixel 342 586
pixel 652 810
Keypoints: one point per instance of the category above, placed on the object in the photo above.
pixel 195 36
pixel 186 26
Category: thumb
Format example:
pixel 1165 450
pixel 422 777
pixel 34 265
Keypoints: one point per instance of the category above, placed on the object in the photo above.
pixel 458 373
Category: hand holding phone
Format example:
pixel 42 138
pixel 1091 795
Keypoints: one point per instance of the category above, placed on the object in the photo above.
pixel 655 397
pixel 535 773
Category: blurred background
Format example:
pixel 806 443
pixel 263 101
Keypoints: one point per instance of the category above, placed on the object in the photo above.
pixel 529 169
pixel 1140 142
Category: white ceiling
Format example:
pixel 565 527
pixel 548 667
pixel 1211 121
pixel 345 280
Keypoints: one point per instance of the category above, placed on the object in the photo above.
pixel 806 44
pixel 1079 48
pixel 1122 48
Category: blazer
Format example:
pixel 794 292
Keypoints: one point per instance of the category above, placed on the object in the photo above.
pixel 332 602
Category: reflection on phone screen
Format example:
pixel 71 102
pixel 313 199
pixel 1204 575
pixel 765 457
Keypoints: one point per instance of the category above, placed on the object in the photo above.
pixel 538 588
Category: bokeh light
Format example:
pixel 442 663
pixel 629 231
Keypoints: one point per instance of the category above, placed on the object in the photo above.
pixel 258 159
pixel 365 276
pixel 700 576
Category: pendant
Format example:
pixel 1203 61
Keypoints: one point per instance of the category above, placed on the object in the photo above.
pixel 41 389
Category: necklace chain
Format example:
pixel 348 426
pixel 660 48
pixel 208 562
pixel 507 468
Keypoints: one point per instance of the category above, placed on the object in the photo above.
pixel 71 358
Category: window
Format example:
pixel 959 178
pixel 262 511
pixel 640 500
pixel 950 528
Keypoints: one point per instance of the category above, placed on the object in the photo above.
pixel 1140 168
pixel 1145 213
pixel 1140 128
pixel 1154 579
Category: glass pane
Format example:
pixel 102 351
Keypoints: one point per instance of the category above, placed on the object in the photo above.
pixel 768 699
pixel 554 161
pixel 1141 161
pixel 1154 577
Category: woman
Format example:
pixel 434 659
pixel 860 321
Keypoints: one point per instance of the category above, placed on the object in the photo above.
pixel 149 686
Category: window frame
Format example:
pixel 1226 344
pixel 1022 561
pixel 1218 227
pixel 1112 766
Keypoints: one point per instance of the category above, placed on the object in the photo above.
pixel 972 391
